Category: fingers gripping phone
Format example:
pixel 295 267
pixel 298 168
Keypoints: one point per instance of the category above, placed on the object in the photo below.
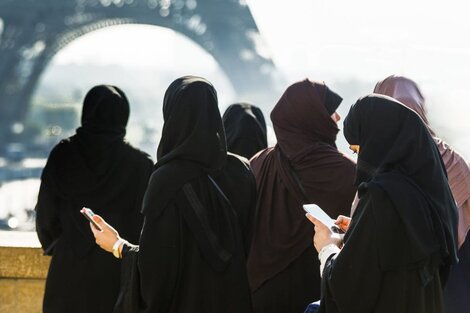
pixel 88 213
pixel 321 215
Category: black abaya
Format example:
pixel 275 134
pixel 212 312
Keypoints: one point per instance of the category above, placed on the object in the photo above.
pixel 176 276
pixel 97 169
pixel 402 239
pixel 374 272
pixel 192 250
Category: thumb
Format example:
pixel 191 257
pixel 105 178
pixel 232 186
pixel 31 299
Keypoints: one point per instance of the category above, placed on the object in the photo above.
pixel 98 219
pixel 311 218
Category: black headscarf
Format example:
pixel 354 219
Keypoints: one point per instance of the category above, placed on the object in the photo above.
pixel 193 138
pixel 394 142
pixel 245 129
pixel 193 147
pixel 97 168
pixel 104 118
pixel 105 114
pixel 332 101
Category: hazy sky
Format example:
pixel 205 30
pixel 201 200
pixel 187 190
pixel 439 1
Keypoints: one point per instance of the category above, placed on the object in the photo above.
pixel 329 40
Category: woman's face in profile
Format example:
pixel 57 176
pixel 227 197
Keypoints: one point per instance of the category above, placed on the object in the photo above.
pixel 335 117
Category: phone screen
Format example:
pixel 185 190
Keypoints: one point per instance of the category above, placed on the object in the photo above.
pixel 88 213
pixel 321 215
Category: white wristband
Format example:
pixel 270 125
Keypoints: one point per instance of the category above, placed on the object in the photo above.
pixel 325 254
pixel 116 246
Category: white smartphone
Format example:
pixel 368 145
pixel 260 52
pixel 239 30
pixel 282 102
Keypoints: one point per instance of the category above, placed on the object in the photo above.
pixel 88 213
pixel 321 215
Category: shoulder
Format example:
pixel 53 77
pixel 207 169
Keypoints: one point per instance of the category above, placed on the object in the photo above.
pixel 237 168
pixel 261 155
pixel 371 193
pixel 257 161
pixel 61 150
pixel 391 194
pixel 237 160
pixel 138 155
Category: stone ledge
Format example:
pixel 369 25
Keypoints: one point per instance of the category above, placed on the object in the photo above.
pixel 23 271
pixel 21 295
pixel 21 256
pixel 23 263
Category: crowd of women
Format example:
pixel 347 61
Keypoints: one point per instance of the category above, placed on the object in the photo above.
pixel 205 230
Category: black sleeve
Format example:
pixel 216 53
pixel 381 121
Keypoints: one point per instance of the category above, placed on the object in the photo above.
pixel 353 277
pixel 249 222
pixel 47 213
pixel 159 258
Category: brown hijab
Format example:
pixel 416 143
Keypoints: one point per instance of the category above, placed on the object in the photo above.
pixel 306 137
pixel 407 92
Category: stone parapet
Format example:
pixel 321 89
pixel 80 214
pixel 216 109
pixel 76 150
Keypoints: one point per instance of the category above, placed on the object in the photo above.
pixel 23 270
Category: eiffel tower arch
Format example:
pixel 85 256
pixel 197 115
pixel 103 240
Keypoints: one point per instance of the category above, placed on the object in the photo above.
pixel 32 32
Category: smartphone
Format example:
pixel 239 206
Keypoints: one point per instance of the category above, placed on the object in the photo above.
pixel 321 215
pixel 88 213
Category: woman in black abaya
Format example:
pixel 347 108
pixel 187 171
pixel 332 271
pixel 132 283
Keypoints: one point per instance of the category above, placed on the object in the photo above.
pixel 94 168
pixel 245 129
pixel 191 254
pixel 401 241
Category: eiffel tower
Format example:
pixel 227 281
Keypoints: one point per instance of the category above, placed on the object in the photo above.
pixel 32 32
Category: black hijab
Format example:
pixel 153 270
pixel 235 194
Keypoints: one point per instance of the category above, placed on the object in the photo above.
pixel 395 145
pixel 245 129
pixel 94 156
pixel 105 114
pixel 193 147
pixel 193 138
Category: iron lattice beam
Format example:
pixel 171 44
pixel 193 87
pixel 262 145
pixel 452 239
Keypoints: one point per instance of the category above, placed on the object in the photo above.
pixel 32 32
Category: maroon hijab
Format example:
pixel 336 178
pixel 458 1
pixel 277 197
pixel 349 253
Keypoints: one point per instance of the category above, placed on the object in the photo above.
pixel 306 137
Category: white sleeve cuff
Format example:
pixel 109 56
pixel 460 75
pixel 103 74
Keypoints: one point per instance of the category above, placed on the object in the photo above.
pixel 325 254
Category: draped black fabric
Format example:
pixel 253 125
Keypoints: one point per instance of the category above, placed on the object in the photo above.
pixel 192 249
pixel 95 168
pixel 458 288
pixel 192 147
pixel 402 239
pixel 393 137
pixel 361 278
pixel 193 130
pixel 332 101
pixel 245 129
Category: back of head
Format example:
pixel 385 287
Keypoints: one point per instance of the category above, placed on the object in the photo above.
pixel 245 129
pixel 404 90
pixel 302 116
pixel 192 129
pixel 105 109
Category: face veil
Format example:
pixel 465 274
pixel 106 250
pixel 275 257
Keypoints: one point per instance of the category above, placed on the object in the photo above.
pixel 394 139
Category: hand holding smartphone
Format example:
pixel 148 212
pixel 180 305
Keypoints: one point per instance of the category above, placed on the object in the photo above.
pixel 321 215
pixel 88 213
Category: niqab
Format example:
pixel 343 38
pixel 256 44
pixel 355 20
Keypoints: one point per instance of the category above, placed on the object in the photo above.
pixel 393 139
pixel 306 137
pixel 95 168
pixel 407 92
pixel 245 129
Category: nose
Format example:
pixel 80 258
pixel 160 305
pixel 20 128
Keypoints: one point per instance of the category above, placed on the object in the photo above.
pixel 338 117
